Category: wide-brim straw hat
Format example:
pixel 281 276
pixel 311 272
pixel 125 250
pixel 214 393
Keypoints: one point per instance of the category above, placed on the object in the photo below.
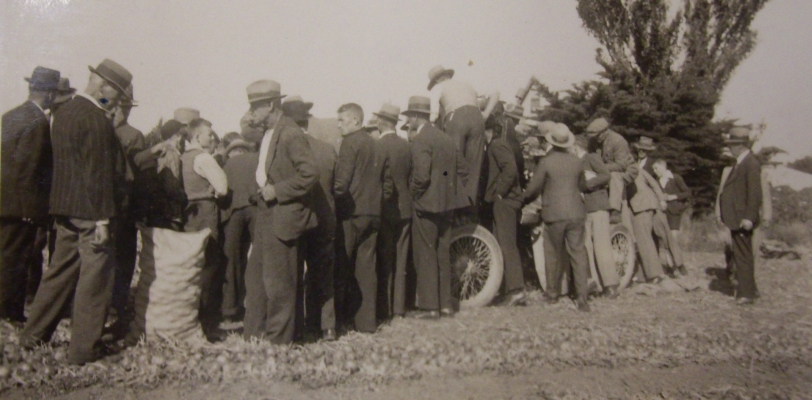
pixel 436 72
pixel 420 105
pixel 129 100
pixel 264 90
pixel 114 73
pixel 388 112
pixel 560 136
pixel 297 109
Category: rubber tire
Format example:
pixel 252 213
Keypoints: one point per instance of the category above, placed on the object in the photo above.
pixel 626 270
pixel 495 270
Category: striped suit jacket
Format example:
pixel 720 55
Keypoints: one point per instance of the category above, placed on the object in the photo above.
pixel 88 162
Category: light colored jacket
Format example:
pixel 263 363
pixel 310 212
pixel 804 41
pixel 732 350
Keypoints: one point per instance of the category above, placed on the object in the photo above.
pixel 648 195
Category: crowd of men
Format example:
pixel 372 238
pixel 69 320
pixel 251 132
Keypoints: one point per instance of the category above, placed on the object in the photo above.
pixel 331 235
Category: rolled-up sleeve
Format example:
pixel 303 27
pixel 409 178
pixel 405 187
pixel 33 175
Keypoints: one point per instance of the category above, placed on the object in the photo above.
pixel 207 167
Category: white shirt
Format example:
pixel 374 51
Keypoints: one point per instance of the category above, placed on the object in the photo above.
pixel 451 94
pixel 741 156
pixel 667 176
pixel 261 176
pixel 206 166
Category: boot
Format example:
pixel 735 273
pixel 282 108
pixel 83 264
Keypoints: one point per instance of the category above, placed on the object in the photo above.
pixel 582 304
pixel 611 292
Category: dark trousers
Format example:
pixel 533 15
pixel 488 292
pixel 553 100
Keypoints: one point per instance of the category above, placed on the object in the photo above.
pixel 745 264
pixel 20 266
pixel 238 233
pixel 126 242
pixel 394 241
pixel 201 214
pixel 564 244
pixel 358 277
pixel 318 245
pixel 431 242
pixel 271 279
pixel 81 271
pixel 506 226
pixel 466 126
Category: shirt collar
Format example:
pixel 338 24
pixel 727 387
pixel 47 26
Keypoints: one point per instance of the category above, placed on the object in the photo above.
pixel 741 156
pixel 38 106
pixel 387 132
pixel 193 146
pixel 92 100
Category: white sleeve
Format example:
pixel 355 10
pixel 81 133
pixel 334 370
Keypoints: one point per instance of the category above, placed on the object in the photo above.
pixel 207 167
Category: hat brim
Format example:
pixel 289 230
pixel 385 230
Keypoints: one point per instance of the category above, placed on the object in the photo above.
pixel 271 98
pixel 387 117
pixel 115 85
pixel 43 87
pixel 566 145
pixel 415 112
pixel 449 72
pixel 645 148
pixel 737 141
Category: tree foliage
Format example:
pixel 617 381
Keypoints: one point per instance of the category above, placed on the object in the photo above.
pixel 663 72
pixel 802 164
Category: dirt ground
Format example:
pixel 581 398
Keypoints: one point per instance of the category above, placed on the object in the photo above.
pixel 645 344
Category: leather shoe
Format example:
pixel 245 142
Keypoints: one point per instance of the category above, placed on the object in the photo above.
pixel 328 335
pixel 682 270
pixel 447 312
pixel 745 301
pixel 582 304
pixel 550 299
pixel 516 298
pixel 611 292
pixel 424 314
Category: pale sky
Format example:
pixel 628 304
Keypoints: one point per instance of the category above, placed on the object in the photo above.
pixel 204 53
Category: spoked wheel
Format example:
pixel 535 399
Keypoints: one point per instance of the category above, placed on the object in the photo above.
pixel 477 266
pixel 624 253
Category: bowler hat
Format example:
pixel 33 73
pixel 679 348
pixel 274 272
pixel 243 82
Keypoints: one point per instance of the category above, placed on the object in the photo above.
pixel 63 91
pixel 738 135
pixel 418 105
pixel 239 143
pixel 597 126
pixel 436 72
pixel 389 112
pixel 186 115
pixel 264 90
pixel 297 109
pixel 113 73
pixel 514 111
pixel 645 143
pixel 43 79
pixel 560 136
pixel 129 101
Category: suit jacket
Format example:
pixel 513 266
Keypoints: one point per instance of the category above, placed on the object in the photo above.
pixel 439 172
pixel 27 163
pixel 648 166
pixel 321 195
pixel 397 164
pixel 291 169
pixel 741 193
pixel 559 177
pixel 648 194
pixel 88 162
pixel 242 183
pixel 503 173
pixel 677 186
pixel 358 177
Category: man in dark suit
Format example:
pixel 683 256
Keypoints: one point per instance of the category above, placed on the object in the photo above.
pixel 740 203
pixel 286 172
pixel 504 193
pixel 126 236
pixel 26 184
pixel 438 175
pixel 396 212
pixel 559 177
pixel 319 242
pixel 358 191
pixel 87 180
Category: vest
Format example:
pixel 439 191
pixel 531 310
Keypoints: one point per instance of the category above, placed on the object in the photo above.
pixel 195 186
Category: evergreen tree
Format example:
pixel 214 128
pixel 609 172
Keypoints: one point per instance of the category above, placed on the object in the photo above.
pixel 663 73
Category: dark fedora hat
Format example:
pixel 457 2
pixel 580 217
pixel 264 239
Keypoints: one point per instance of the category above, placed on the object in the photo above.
pixel 43 79
pixel 297 109
pixel 114 73
pixel 418 105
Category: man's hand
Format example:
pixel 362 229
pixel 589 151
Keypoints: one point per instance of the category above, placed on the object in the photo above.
pixel 100 235
pixel 671 197
pixel 663 205
pixel 268 193
pixel 746 224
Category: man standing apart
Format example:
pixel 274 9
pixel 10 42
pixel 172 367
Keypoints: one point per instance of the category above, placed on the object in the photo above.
pixel 740 203
pixel 358 193
pixel 618 159
pixel 286 172
pixel 454 108
pixel 559 178
pixel 437 167
pixel 26 183
pixel 396 211
pixel 87 165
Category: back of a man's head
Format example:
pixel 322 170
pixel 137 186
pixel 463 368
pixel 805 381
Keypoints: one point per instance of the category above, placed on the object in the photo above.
pixel 353 110
pixel 194 127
